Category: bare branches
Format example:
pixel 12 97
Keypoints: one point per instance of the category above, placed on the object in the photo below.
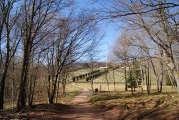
pixel 157 20
pixel 8 39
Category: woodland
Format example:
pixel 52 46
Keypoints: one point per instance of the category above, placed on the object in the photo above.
pixel 50 64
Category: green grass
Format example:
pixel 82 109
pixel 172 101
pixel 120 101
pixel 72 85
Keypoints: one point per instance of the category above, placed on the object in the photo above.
pixel 69 96
pixel 102 86
pixel 79 72
pixel 124 100
pixel 71 92
pixel 118 76
pixel 117 73
pixel 161 106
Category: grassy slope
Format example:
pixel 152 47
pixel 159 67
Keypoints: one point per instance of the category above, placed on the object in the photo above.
pixel 71 92
pixel 118 76
pixel 143 105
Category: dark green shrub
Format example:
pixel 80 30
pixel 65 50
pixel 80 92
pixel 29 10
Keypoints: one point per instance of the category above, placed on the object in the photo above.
pixel 167 80
pixel 133 75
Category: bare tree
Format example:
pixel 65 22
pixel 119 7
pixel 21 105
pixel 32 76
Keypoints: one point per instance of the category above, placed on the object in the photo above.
pixel 157 18
pixel 35 17
pixel 76 36
pixel 147 49
pixel 121 53
pixel 92 56
pixel 33 76
pixel 8 40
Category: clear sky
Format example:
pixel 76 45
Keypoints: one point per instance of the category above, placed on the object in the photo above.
pixel 110 37
pixel 112 32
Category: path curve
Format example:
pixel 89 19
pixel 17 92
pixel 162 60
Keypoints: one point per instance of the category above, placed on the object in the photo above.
pixel 78 109
pixel 82 109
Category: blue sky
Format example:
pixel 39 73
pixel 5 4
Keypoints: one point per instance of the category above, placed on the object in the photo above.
pixel 110 37
pixel 112 31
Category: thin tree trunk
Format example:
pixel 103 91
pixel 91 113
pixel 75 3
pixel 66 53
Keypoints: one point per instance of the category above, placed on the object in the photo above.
pixel 131 84
pixel 64 85
pixel 2 89
pixel 24 72
pixel 54 88
pixel 114 80
pixel 125 76
pixel 13 79
pixel 4 74
pixel 22 93
pixel 148 81
pixel 106 77
pixel 92 84
pixel 5 68
pixel 58 87
pixel 162 77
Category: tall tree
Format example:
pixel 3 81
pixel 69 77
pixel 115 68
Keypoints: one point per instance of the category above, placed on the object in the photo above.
pixel 9 40
pixel 121 53
pixel 35 22
pixel 76 36
pixel 158 19
pixel 92 56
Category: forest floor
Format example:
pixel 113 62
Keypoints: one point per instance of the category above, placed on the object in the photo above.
pixel 103 106
pixel 78 109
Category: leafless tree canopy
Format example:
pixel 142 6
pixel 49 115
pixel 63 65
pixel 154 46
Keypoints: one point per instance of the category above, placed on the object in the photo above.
pixel 39 40
pixel 152 28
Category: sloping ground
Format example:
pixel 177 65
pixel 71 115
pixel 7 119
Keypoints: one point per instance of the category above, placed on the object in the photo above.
pixel 78 109
pixel 141 106
pixel 109 106
pixel 141 114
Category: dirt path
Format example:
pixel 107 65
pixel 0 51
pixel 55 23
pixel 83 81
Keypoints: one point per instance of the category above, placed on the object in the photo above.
pixel 81 109
pixel 78 109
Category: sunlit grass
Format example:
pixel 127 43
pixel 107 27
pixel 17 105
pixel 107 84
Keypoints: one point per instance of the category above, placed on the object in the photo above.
pixel 68 96
pixel 117 75
pixel 125 100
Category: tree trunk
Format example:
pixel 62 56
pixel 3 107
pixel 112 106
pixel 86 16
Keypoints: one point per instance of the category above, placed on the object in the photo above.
pixel 147 80
pixel 28 42
pixel 142 81
pixel 51 100
pixel 2 89
pixel 64 85
pixel 4 78
pixel 172 69
pixel 161 86
pixel 106 77
pixel 51 95
pixel 92 84
pixel 22 92
pixel 125 76
pixel 58 87
pixel 131 81
pixel 114 80
pixel 32 89
pixel 162 77
pixel 5 69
